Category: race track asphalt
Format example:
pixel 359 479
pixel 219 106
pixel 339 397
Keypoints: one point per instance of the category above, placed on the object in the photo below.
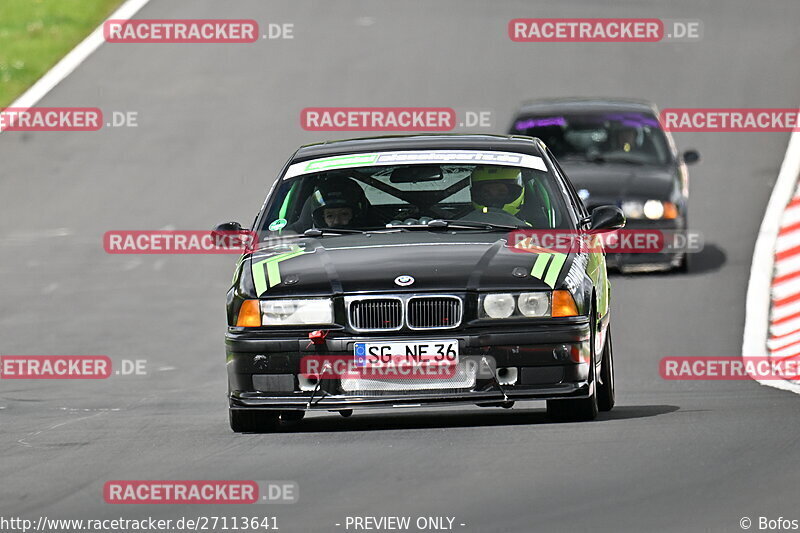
pixel 216 122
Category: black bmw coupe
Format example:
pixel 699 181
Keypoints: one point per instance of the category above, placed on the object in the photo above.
pixel 390 272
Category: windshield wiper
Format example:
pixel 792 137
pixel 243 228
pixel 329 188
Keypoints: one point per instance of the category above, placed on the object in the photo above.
pixel 440 223
pixel 317 232
pixel 469 224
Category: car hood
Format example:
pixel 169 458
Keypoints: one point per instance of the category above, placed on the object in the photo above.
pixel 611 183
pixel 435 261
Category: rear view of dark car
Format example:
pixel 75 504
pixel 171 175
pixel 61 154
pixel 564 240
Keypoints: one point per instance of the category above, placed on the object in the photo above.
pixel 616 152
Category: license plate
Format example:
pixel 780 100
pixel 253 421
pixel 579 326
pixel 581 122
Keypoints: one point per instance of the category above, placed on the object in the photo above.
pixel 393 354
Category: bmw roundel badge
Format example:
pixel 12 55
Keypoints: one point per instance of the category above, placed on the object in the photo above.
pixel 404 281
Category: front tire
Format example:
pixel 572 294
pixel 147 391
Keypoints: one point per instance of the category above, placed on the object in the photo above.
pixel 582 409
pixel 606 391
pixel 252 421
pixel 684 266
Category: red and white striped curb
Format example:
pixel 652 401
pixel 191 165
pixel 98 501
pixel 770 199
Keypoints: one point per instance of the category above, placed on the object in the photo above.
pixel 783 342
pixel 772 313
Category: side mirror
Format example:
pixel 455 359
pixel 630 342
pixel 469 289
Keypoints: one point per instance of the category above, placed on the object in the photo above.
pixel 607 218
pixel 227 227
pixel 691 157
pixel 233 235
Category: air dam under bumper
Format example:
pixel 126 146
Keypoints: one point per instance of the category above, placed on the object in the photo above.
pixel 648 262
pixel 263 369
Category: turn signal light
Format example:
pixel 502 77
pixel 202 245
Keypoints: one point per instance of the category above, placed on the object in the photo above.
pixel 670 210
pixel 249 315
pixel 563 304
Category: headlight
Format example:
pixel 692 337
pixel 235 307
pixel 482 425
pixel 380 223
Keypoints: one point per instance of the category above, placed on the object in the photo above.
pixel 515 306
pixel 297 312
pixel 498 305
pixel 653 209
pixel 633 209
pixel 533 304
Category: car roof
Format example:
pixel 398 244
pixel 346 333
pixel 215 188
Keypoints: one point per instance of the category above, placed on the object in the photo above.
pixel 391 143
pixel 577 104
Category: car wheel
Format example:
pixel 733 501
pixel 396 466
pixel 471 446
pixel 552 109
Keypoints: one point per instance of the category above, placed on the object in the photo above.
pixel 683 267
pixel 252 421
pixel 582 409
pixel 605 390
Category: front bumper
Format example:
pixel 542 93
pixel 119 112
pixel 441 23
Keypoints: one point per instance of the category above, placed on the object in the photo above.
pixel 263 369
pixel 648 262
pixel 628 263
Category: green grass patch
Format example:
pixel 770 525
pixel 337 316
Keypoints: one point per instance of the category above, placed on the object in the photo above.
pixel 35 34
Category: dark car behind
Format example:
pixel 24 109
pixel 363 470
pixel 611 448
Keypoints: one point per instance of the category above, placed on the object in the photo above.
pixel 617 152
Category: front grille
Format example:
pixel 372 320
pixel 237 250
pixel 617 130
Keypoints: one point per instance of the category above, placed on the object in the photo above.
pixel 427 312
pixel 392 313
pixel 376 314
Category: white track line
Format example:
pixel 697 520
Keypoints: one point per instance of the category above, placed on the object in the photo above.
pixel 756 323
pixel 75 57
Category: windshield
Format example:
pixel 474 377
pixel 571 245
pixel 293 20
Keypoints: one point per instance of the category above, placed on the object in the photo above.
pixel 634 138
pixel 412 195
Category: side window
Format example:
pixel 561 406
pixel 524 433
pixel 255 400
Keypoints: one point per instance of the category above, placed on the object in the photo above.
pixel 541 200
pixel 574 199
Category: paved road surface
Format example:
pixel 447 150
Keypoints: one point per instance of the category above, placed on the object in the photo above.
pixel 215 124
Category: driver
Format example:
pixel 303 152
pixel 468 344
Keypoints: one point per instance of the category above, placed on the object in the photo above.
pixel 624 140
pixel 334 215
pixel 341 204
pixel 500 189
pixel 497 187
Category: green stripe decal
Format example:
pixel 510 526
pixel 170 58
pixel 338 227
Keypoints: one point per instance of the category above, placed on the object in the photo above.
pixel 267 274
pixel 341 161
pixel 555 269
pixel 273 274
pixel 538 266
pixel 259 280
